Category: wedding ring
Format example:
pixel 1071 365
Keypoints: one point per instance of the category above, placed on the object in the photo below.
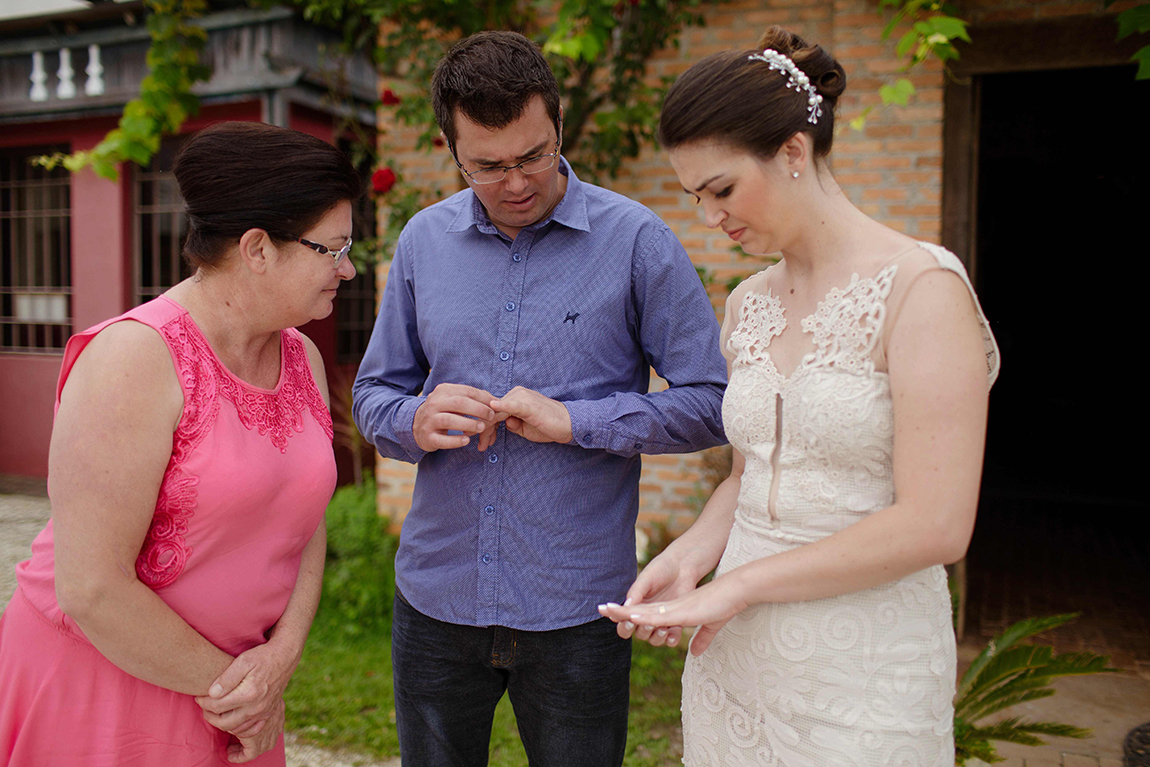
pixel 662 609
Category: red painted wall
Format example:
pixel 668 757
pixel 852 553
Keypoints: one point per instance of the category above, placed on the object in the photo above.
pixel 27 393
pixel 101 278
pixel 100 286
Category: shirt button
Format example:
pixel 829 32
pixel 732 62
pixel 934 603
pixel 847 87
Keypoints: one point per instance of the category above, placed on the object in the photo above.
pixel 492 458
pixel 504 356
pixel 638 445
pixel 586 437
pixel 517 258
pixel 486 559
pixel 510 306
pixel 489 509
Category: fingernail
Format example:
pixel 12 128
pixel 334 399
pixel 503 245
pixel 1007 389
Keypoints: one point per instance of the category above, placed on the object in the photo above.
pixel 672 641
pixel 602 608
pixel 216 691
pixel 635 616
pixel 627 602
pixel 612 604
pixel 662 632
pixel 629 625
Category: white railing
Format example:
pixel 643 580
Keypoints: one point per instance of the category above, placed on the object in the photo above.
pixel 65 84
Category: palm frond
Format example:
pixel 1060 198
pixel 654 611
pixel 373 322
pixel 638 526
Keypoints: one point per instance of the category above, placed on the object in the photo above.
pixel 1057 728
pixel 1010 662
pixel 1007 639
pixel 1077 663
pixel 964 751
pixel 988 707
pixel 1003 683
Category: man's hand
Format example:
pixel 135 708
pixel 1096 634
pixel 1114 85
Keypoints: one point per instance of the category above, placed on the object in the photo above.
pixel 533 416
pixel 454 407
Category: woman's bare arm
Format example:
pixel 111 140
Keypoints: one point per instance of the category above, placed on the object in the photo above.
pixel 111 443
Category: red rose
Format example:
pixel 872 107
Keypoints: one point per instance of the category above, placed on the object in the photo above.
pixel 438 141
pixel 389 98
pixel 383 180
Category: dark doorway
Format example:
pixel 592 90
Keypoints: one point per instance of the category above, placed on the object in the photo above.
pixel 1060 243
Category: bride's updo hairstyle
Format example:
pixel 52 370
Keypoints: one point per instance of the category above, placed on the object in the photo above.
pixel 733 99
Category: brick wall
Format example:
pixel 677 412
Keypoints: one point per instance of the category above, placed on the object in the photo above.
pixel 892 170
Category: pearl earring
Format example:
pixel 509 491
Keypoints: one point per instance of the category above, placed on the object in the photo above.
pixel 795 174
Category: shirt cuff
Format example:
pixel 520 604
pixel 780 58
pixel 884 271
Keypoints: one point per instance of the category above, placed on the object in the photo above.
pixel 405 427
pixel 590 429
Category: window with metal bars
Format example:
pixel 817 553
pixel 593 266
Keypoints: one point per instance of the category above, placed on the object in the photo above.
pixel 355 316
pixel 160 226
pixel 36 250
pixel 355 301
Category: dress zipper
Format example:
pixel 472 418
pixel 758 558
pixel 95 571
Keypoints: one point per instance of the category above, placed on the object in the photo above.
pixel 772 499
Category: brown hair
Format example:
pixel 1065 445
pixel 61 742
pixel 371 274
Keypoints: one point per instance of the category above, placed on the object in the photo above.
pixel 491 77
pixel 733 99
pixel 236 176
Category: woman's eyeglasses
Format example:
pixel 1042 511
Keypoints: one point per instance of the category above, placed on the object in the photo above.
pixel 337 255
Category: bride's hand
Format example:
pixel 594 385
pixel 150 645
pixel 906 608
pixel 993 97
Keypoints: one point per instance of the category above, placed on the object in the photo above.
pixel 709 607
pixel 662 579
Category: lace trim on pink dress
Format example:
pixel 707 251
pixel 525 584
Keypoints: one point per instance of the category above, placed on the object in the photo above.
pixel 276 414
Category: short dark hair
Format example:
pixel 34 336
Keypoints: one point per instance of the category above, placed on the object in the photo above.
pixel 491 77
pixel 236 176
pixel 730 98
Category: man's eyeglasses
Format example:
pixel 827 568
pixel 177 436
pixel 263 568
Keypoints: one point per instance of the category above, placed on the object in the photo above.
pixel 338 255
pixel 495 175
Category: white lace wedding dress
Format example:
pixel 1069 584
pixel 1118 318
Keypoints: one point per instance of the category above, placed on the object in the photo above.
pixel 865 678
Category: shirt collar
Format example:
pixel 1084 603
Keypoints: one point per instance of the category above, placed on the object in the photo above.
pixel 570 212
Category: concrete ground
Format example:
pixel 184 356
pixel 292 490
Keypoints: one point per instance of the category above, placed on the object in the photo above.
pixel 1111 704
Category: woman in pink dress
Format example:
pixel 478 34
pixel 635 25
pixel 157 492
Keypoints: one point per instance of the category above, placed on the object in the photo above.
pixel 167 602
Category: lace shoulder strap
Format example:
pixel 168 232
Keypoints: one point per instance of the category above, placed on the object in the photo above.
pixel 753 318
pixel 952 263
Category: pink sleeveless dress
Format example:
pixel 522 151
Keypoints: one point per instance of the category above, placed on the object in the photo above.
pixel 246 487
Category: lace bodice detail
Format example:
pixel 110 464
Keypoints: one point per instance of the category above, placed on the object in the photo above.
pixel 276 414
pixel 833 449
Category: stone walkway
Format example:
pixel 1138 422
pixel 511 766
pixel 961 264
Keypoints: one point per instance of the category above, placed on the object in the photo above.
pixel 22 517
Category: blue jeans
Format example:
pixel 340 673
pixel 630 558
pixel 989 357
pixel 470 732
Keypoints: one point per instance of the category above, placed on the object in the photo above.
pixel 570 689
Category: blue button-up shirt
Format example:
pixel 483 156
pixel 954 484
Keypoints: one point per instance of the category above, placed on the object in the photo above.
pixel 579 307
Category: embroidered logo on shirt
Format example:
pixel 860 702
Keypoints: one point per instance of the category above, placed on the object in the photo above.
pixel 571 317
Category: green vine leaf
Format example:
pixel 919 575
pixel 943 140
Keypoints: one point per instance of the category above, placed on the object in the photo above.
pixel 1143 59
pixel 1134 20
pixel 166 99
pixel 933 30
pixel 906 43
pixel 898 93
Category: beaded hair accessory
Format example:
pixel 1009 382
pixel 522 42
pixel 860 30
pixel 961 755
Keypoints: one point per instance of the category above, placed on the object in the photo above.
pixel 796 79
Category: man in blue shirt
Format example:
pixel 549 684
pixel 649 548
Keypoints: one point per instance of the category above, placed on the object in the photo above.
pixel 511 360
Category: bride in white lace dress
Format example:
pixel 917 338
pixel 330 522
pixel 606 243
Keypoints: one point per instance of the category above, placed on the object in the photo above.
pixel 859 370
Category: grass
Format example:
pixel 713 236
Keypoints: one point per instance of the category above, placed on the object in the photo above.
pixel 341 697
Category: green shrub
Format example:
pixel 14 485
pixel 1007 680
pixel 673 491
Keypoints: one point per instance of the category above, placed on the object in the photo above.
pixel 359 580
